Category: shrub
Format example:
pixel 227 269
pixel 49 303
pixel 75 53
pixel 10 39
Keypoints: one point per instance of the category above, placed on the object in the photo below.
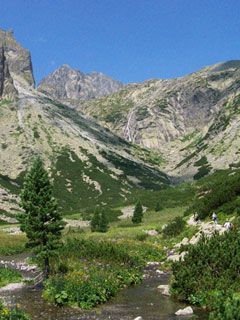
pixel 141 236
pixel 226 308
pixel 99 221
pixel 12 314
pixel 174 228
pixel 158 207
pixel 222 189
pixel 209 273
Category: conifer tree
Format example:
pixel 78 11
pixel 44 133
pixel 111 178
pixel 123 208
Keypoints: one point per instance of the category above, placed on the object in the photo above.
pixel 138 213
pixel 99 222
pixel 103 225
pixel 41 220
pixel 95 220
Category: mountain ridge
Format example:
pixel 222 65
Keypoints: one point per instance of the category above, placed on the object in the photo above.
pixel 66 84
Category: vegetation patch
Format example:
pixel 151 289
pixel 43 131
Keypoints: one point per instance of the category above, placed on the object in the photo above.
pixel 219 191
pixel 12 314
pixel 174 227
pixel 142 113
pixel 9 276
pixel 79 282
pixel 11 244
pixel 161 104
pixel 219 283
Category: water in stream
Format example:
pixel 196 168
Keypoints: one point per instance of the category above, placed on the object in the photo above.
pixel 142 300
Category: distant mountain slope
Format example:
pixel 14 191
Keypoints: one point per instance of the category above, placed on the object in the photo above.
pixel 67 84
pixel 184 119
pixel 89 164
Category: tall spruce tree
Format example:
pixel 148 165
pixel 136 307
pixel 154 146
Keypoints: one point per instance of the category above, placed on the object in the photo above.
pixel 138 213
pixel 41 220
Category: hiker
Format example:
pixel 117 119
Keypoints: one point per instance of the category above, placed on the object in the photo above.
pixel 228 225
pixel 214 218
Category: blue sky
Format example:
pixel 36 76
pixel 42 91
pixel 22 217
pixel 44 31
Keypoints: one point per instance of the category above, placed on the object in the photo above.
pixel 130 40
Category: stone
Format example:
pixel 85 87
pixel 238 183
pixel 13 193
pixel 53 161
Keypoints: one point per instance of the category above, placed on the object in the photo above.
pixel 12 287
pixel 160 272
pixel 138 318
pixel 164 289
pixel 184 312
pixel 151 232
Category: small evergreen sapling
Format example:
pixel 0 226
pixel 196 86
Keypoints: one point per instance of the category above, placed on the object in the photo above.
pixel 138 213
pixel 103 225
pixel 99 222
pixel 95 220
pixel 41 220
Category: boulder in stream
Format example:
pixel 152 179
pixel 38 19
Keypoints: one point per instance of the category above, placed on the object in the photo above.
pixel 164 289
pixel 184 312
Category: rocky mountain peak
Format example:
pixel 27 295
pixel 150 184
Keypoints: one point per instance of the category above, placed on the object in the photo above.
pixel 66 83
pixel 15 59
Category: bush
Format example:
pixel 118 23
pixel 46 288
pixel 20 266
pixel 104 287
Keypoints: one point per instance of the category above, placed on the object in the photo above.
pixel 221 191
pixel 12 314
pixel 226 309
pixel 99 221
pixel 158 207
pixel 209 273
pixel 174 228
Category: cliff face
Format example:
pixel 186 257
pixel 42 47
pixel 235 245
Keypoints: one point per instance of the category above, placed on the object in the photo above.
pixel 18 59
pixel 67 84
pixel 7 88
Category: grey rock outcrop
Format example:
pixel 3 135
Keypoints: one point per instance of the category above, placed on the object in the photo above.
pixel 66 84
pixel 7 88
pixel 18 59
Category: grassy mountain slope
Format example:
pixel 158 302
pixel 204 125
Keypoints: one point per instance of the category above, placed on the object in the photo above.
pixel 185 119
pixel 89 164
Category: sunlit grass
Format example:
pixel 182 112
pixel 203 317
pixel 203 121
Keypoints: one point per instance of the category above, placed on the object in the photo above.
pixel 11 243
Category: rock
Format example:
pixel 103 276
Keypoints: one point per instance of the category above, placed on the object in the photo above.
pixel 160 272
pixel 153 263
pixel 176 257
pixel 12 287
pixel 138 318
pixel 184 312
pixel 164 289
pixel 151 232
pixel 184 242
pixel 18 59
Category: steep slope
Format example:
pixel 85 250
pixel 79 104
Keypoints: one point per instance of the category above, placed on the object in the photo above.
pixel 182 119
pixel 89 164
pixel 67 84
